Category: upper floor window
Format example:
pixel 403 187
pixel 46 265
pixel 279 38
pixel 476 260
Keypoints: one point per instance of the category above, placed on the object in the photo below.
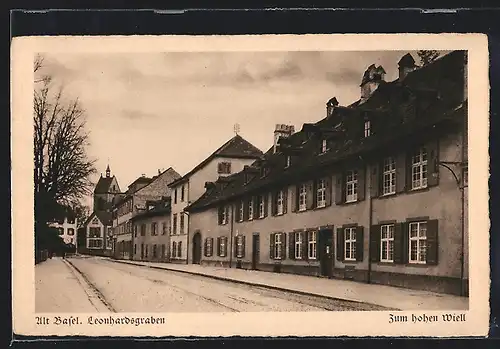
pixel 280 202
pixel 174 223
pixel 241 210
pixel 261 206
pixel 224 167
pixel 175 196
pixel 321 194
pixel 387 243
pixel 93 232
pixel 389 176
pixel 351 186
pixel 143 229
pixel 419 169
pixel 324 146
pixel 71 231
pixel 182 223
pixel 163 228
pixel 418 242
pixel 95 220
pixel 153 229
pixel 250 209
pixel 350 244
pixel 182 193
pixel 223 215
pixel 302 197
pixel 367 128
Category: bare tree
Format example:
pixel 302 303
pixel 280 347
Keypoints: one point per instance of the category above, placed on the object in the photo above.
pixel 427 56
pixel 62 169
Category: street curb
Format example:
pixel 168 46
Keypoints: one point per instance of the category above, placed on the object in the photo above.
pixel 221 278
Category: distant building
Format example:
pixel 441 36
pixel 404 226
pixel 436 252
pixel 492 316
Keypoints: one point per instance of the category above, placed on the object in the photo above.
pixel 230 158
pixel 133 202
pixel 66 225
pixel 375 192
pixel 98 226
pixel 152 231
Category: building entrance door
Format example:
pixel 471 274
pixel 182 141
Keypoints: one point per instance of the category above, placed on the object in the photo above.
pixel 197 248
pixel 326 252
pixel 255 250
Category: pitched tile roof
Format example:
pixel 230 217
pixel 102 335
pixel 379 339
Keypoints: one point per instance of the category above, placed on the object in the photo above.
pixel 403 108
pixel 236 147
pixel 103 185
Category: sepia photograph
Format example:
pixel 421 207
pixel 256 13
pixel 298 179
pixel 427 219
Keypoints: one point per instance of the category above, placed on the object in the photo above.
pixel 260 181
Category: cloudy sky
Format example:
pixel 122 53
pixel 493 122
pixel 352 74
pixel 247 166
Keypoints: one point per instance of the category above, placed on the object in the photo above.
pixel 150 111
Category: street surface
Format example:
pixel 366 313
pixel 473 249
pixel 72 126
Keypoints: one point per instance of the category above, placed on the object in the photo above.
pixel 131 288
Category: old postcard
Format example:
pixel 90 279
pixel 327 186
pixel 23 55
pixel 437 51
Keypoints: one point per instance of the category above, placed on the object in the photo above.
pixel 276 185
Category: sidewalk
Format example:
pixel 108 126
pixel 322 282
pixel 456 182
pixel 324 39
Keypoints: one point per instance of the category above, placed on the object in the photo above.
pixel 57 289
pixel 386 296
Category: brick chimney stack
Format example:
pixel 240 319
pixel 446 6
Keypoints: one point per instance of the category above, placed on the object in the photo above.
pixel 282 131
pixel 372 78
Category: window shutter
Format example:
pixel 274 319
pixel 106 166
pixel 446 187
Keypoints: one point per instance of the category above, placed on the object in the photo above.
pixel 406 238
pixel 285 200
pixel 225 246
pixel 398 243
pixel 283 245
pixel 205 249
pixel 432 242
pixel 271 246
pixel 211 247
pixel 219 252
pixel 401 171
pixel 235 246
pixel 339 188
pixel 375 179
pixel 328 190
pixel 266 203
pixel 360 243
pixel 274 204
pixel 255 213
pixel 245 210
pixel 295 198
pixel 375 243
pixel 305 245
pixel 243 246
pixel 291 245
pixel 340 244
pixel 315 193
pixel 221 213
pixel 432 164
pixel 310 195
pixel 317 245
pixel 361 183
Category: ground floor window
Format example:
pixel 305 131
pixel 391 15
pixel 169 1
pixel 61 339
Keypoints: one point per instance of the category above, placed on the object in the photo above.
pixel 222 248
pixel 298 245
pixel 154 251
pixel 209 247
pixel 163 252
pixel 179 249
pixel 418 242
pixel 350 244
pixel 95 243
pixel 146 252
pixel 240 246
pixel 174 249
pixel 278 247
pixel 387 243
pixel 135 248
pixel 311 243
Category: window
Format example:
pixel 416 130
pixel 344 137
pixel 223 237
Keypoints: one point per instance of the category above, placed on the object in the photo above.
pixel 143 229
pixel 311 245
pixel 302 197
pixel 222 246
pixel 154 251
pixel 418 242
pixel 241 211
pixel 109 241
pixel 182 193
pixel 174 224
pixel 71 220
pixel 95 243
pixel 223 215
pixel 179 249
pixel 298 245
pixel 261 206
pixel 350 244
pixel 277 246
pixel 93 232
pixel 182 223
pixel 175 196
pixel 387 243
pixel 95 221
pixel 288 161
pixel 321 194
pixel 153 229
pixel 367 128
pixel 419 169
pixel 389 176
pixel 163 228
pixel 240 248
pixel 280 202
pixel 163 251
pixel 174 249
pixel 224 168
pixel 324 146
pixel 135 230
pixel 250 209
pixel 146 252
pixel 71 231
pixel 209 247
pixel 135 248
pixel 351 186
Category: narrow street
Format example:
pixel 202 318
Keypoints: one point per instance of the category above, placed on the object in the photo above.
pixel 131 288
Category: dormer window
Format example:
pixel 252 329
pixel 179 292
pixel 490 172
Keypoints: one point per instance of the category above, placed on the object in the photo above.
pixel 224 167
pixel 324 146
pixel 288 161
pixel 367 128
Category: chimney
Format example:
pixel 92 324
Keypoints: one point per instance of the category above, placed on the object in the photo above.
pixel 330 106
pixel 372 78
pixel 282 131
pixel 406 64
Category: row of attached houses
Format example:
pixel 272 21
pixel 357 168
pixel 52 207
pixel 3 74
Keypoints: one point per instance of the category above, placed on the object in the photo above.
pixel 376 191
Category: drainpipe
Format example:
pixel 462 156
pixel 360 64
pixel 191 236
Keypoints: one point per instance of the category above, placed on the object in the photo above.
pixel 370 223
pixel 231 238
pixel 187 236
